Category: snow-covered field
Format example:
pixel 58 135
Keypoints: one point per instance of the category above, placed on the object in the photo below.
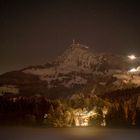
pixel 125 77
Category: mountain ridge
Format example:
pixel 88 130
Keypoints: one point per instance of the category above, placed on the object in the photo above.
pixel 77 68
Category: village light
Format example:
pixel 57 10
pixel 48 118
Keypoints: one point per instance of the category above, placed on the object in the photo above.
pixel 133 70
pixel 105 112
pixel 132 57
pixel 83 118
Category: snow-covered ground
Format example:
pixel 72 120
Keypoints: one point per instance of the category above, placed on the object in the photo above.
pixel 126 78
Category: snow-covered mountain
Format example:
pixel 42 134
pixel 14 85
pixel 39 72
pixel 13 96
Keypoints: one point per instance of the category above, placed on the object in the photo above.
pixel 74 64
pixel 79 67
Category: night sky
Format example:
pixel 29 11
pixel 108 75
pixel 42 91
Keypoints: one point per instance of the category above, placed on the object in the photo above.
pixel 33 32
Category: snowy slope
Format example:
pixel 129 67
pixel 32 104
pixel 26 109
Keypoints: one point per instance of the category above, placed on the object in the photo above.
pixel 71 67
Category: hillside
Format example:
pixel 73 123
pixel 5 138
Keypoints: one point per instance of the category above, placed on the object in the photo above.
pixel 79 68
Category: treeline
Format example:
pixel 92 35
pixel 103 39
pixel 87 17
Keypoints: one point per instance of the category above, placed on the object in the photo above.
pixel 40 110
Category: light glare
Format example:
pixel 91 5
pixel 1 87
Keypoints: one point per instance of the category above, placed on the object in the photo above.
pixel 132 57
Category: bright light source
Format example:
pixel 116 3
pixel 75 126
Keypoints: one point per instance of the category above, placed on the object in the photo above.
pixel 138 68
pixel 82 117
pixel 45 116
pixel 133 70
pixel 103 123
pixel 105 111
pixel 132 57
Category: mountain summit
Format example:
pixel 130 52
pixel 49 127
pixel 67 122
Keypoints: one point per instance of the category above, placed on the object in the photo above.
pixel 76 69
pixel 78 55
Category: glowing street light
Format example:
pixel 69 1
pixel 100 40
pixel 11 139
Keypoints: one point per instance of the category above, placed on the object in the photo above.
pixel 132 57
